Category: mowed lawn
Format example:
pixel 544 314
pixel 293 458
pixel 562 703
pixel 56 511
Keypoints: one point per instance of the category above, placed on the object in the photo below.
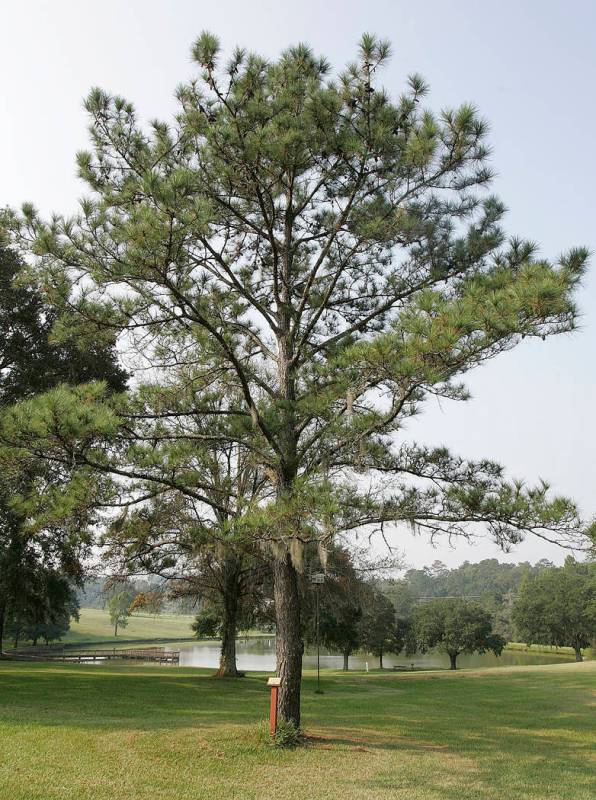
pixel 94 626
pixel 146 733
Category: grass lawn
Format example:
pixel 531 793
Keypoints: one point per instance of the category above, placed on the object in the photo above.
pixel 147 733
pixel 94 626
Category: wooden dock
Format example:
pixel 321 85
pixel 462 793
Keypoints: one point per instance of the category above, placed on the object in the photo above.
pixel 156 655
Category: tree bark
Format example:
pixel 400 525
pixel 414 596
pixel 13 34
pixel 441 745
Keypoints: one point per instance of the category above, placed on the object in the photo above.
pixel 116 628
pixel 230 591
pixel 288 642
pixel 346 663
pixel 381 660
pixel 289 645
pixel 578 654
pixel 452 660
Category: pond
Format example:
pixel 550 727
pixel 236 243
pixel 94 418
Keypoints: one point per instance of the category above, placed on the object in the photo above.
pixel 258 654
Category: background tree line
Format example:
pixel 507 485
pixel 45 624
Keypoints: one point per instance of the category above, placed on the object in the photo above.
pixel 492 583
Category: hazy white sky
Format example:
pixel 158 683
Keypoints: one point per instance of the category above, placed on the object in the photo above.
pixel 530 66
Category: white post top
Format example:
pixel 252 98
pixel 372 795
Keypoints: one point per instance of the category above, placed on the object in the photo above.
pixel 274 682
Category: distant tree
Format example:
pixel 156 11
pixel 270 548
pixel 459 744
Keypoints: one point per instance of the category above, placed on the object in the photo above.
pixel 379 631
pixel 44 608
pixel 152 602
pixel 400 594
pixel 197 558
pixel 455 626
pixel 558 607
pixel 493 583
pixel 502 612
pixel 207 623
pixel 91 593
pixel 403 601
pixel 60 605
pixel 488 579
pixel 54 631
pixel 340 604
pixel 438 569
pixel 339 625
pixel 119 610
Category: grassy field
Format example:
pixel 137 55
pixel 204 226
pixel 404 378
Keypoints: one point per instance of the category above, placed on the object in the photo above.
pixel 94 626
pixel 149 733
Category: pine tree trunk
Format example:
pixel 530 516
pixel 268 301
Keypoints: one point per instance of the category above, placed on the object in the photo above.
pixel 227 658
pixel 452 660
pixel 381 660
pixel 578 654
pixel 346 661
pixel 288 642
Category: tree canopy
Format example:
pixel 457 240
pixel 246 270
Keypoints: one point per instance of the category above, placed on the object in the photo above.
pixel 455 626
pixel 492 583
pixel 37 352
pixel 558 606
pixel 379 626
pixel 119 609
pixel 37 557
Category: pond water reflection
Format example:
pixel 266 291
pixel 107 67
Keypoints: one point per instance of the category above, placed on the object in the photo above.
pixel 258 654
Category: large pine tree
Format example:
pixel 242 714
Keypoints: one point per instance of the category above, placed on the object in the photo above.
pixel 320 259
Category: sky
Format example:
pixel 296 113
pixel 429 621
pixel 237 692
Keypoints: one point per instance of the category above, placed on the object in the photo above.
pixel 530 67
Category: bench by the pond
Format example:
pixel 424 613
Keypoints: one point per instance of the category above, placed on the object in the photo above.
pixel 157 655
pixel 403 668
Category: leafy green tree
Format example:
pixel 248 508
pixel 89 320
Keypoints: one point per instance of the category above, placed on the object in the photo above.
pixel 489 577
pixel 340 607
pixel 558 607
pixel 194 548
pixel 353 614
pixel 379 626
pixel 34 356
pixel 340 628
pixel 322 258
pixel 207 623
pixel 44 607
pixel 119 610
pixel 494 584
pixel 37 352
pixel 404 603
pixel 455 626
pixel 54 630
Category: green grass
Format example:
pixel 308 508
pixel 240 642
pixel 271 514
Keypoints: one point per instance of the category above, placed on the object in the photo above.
pixel 147 733
pixel 94 626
